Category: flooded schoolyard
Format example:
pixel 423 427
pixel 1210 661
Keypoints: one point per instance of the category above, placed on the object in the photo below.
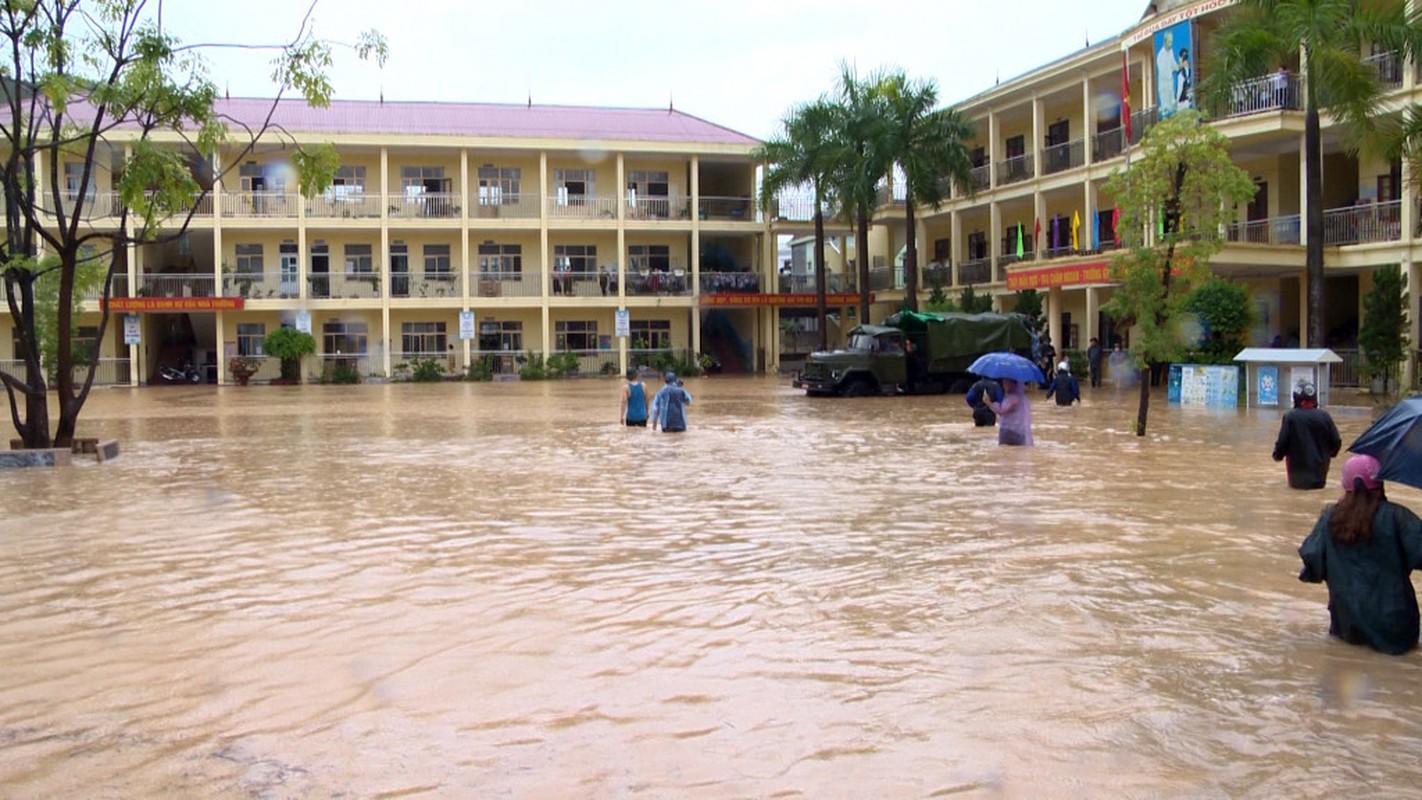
pixel 493 590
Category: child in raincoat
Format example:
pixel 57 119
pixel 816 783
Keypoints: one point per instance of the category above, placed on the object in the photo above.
pixel 1014 412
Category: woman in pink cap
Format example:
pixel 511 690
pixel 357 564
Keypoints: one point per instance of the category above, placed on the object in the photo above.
pixel 1365 549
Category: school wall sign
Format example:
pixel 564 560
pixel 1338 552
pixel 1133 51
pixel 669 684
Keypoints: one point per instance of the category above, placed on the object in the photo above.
pixel 1069 275
pixel 152 304
pixel 789 299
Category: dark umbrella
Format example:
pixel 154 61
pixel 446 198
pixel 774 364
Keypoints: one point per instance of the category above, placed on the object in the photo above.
pixel 1007 365
pixel 1395 440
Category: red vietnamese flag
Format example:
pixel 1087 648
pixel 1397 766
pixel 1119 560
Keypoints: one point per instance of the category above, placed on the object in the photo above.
pixel 1126 95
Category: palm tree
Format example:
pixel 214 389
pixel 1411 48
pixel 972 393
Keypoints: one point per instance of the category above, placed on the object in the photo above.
pixel 806 154
pixel 864 161
pixel 1328 36
pixel 930 148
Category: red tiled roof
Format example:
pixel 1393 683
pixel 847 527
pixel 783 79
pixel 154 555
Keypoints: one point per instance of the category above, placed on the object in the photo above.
pixel 486 119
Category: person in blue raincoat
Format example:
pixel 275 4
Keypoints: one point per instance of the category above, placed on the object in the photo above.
pixel 1365 548
pixel 1014 411
pixel 669 406
pixel 986 389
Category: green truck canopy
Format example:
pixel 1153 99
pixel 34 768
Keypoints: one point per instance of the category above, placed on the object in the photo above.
pixel 953 340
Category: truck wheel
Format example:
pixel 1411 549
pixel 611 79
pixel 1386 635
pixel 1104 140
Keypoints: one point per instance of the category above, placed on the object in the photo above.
pixel 858 389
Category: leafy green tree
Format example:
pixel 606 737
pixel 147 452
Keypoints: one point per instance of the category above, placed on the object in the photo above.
pixel 1261 35
pixel 806 153
pixel 1184 186
pixel 1222 307
pixel 289 345
pixel 929 145
pixel 78 74
pixel 1029 304
pixel 1383 335
pixel 972 303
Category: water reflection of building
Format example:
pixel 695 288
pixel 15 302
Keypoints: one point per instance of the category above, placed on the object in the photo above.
pixel 541 221
pixel 1046 142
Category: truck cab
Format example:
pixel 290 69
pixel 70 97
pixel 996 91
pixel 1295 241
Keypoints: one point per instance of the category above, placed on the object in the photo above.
pixel 873 361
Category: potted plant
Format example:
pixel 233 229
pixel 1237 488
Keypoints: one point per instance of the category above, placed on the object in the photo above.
pixel 243 368
pixel 1382 339
pixel 289 345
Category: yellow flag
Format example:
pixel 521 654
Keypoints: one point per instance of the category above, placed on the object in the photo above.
pixel 1075 226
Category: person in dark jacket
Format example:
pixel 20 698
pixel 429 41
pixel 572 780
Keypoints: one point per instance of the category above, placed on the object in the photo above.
pixel 978 396
pixel 1094 354
pixel 1064 386
pixel 1308 439
pixel 1365 548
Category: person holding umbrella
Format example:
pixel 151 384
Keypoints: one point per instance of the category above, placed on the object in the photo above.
pixel 1014 411
pixel 1365 548
pixel 1308 439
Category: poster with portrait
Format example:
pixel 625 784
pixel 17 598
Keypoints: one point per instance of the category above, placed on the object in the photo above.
pixel 1268 385
pixel 1174 69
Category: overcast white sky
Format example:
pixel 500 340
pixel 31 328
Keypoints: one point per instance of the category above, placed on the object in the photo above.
pixel 739 64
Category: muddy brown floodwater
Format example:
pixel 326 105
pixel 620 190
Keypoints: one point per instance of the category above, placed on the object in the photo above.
pixel 492 590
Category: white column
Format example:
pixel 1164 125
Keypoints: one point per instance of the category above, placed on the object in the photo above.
pixel 1093 312
pixel 1036 147
pixel 993 147
pixel 994 234
pixel 1088 132
pixel 955 247
pixel 694 314
pixel 1303 203
pixel 385 365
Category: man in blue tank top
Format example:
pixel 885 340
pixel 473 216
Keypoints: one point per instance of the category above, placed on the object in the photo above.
pixel 634 401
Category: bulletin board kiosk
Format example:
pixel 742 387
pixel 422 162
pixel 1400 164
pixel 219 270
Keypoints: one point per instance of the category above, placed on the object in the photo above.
pixel 1271 373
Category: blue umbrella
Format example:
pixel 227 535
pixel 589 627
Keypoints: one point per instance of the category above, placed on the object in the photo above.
pixel 1007 365
pixel 1395 440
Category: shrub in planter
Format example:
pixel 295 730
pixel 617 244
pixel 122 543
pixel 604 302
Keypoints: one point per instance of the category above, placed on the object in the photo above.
pixel 289 345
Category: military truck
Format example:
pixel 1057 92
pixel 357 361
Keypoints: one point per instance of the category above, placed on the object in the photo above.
pixel 913 353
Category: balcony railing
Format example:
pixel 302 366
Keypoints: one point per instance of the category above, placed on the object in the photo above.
pixel 657 207
pixel 259 204
pixel 1058 158
pixel 978 270
pixel 1008 251
pixel 1014 170
pixel 346 205
pixel 591 362
pixel 427 285
pixel 981 177
pixel 176 284
pixel 507 206
pixel 881 279
pixel 353 285
pixel 895 195
pixel 268 369
pixel 426 205
pixel 1389 66
pixel 795 207
pixel 1372 222
pixel 119 286
pixel 1265 93
pixel 582 283
pixel 1108 144
pixel 402 362
pixel 653 282
pixel 1275 230
pixel 835 282
pixel 260 285
pixel 504 362
pixel 108 205
pixel 729 282
pixel 582 206
pixel 736 209
pixel 506 284
pixel 1142 121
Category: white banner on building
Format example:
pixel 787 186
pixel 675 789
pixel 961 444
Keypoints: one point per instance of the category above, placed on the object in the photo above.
pixel 466 324
pixel 623 322
pixel 132 329
pixel 303 321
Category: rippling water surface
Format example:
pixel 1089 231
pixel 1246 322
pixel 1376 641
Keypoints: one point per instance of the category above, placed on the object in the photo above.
pixel 483 590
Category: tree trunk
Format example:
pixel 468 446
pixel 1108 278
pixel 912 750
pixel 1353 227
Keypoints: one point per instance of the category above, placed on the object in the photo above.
pixel 821 312
pixel 910 258
pixel 1144 408
pixel 861 256
pixel 1313 252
